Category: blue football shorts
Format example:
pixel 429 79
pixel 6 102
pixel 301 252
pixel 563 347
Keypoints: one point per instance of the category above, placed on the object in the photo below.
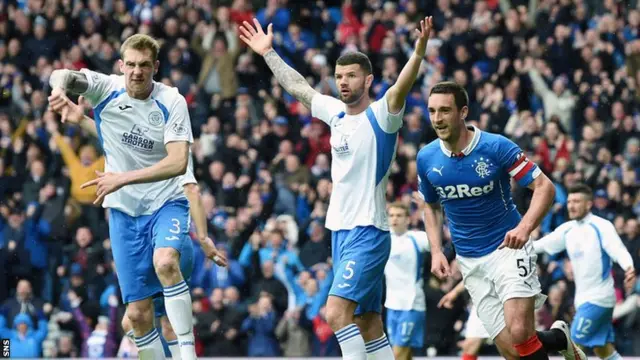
pixel 406 328
pixel 592 326
pixel 359 257
pixel 134 239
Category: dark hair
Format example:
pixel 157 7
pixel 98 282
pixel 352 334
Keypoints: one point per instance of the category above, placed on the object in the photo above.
pixel 356 57
pixel 460 95
pixel 581 189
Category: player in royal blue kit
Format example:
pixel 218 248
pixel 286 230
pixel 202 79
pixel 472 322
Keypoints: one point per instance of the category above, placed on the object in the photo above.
pixel 363 145
pixel 468 173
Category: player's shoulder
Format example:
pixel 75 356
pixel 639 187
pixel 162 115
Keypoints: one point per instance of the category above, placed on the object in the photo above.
pixel 429 150
pixel 493 140
pixel 565 227
pixel 168 95
pixel 602 223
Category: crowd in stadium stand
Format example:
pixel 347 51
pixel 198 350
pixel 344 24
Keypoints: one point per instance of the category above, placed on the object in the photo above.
pixel 559 77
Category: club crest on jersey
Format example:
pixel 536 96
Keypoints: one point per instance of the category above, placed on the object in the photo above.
pixel 482 167
pixel 155 118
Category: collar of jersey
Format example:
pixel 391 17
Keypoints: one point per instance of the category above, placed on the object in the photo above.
pixel 466 151
pixel 586 219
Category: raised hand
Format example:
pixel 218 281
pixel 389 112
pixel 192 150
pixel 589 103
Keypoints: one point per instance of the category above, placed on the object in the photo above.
pixel 423 33
pixel 255 37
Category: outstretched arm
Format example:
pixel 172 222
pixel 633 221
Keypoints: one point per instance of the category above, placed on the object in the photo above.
pixel 69 80
pixel 291 80
pixel 397 94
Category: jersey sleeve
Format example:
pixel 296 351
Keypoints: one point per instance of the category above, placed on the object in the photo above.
pixel 614 246
pixel 188 177
pixel 425 188
pixel 100 86
pixel 516 163
pixel 422 240
pixel 389 123
pixel 326 108
pixel 553 243
pixel 178 127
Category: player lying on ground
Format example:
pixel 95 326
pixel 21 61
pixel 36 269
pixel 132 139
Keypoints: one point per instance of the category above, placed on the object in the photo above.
pixel 363 142
pixel 145 131
pixel 591 243
pixel 405 300
pixel 75 113
pixel 468 172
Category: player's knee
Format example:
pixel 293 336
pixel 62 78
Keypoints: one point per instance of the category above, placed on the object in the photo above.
pixel 370 325
pixel 337 317
pixel 140 314
pixel 520 331
pixel 166 261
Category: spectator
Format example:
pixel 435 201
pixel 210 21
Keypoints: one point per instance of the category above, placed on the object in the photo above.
pixel 261 325
pixel 26 341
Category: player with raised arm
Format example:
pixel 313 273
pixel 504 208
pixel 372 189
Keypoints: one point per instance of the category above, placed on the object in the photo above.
pixel 75 113
pixel 363 145
pixel 145 132
pixel 405 303
pixel 591 243
pixel 468 172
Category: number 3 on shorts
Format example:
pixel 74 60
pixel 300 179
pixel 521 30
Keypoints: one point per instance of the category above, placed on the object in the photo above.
pixel 176 226
pixel 348 274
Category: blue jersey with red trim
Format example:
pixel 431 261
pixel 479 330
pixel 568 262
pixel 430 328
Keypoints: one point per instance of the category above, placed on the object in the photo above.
pixel 474 188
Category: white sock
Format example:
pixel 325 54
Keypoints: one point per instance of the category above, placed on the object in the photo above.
pixel 379 349
pixel 150 346
pixel 614 356
pixel 351 343
pixel 177 302
pixel 174 348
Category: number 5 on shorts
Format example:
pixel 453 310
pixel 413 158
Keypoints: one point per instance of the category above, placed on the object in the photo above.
pixel 348 274
pixel 523 271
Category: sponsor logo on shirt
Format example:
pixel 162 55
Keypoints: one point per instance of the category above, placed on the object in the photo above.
pixel 137 140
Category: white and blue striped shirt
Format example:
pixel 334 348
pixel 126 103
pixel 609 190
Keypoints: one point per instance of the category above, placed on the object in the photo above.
pixel 592 245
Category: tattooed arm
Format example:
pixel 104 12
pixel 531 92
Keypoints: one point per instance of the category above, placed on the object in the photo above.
pixel 69 80
pixel 291 80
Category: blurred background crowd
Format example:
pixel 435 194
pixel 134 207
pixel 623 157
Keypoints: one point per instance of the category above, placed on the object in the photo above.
pixel 559 77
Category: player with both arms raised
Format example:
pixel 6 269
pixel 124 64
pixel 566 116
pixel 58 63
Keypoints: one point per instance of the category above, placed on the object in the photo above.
pixel 468 172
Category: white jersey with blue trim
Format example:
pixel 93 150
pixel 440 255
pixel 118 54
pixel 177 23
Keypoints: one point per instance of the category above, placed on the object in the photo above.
pixel 133 134
pixel 404 268
pixel 363 146
pixel 592 243
pixel 474 188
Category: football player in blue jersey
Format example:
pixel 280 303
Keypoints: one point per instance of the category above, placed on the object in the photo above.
pixel 467 173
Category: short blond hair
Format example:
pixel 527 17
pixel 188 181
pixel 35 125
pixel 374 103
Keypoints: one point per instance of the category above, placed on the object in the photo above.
pixel 141 42
pixel 401 206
